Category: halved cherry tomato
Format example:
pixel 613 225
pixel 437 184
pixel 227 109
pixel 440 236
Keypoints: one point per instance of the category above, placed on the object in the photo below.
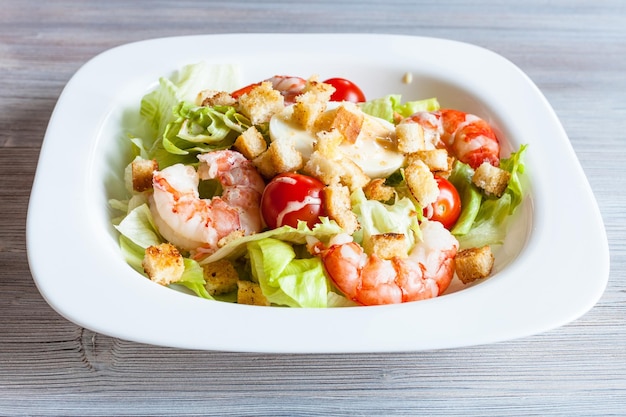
pixel 244 90
pixel 345 90
pixel 447 208
pixel 290 197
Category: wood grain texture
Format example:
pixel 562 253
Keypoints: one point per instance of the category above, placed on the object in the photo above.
pixel 575 51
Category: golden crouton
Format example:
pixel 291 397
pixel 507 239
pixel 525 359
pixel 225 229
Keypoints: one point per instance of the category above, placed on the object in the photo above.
pixel 263 163
pixel 421 183
pixel 163 263
pixel 328 143
pixel 231 237
pixel 410 137
pixel 142 171
pixel 220 276
pixel 377 190
pixel 387 245
pixel 353 175
pixel 323 168
pixel 284 156
pixel 311 103
pixel 338 170
pixel 474 263
pixel 339 207
pixel 208 98
pixel 261 103
pixel 249 292
pixel 251 143
pixel 492 180
pixel 347 119
pixel 435 159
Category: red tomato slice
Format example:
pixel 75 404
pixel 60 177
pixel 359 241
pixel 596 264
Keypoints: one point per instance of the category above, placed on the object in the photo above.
pixel 345 90
pixel 447 208
pixel 290 197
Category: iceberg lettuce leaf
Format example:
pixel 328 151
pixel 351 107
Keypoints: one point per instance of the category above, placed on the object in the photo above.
pixel 489 225
pixel 387 107
pixel 376 217
pixel 284 279
pixel 193 279
pixel 322 231
pixel 471 197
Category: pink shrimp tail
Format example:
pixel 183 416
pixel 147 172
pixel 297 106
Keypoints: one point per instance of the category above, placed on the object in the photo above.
pixel 467 137
pixel 470 138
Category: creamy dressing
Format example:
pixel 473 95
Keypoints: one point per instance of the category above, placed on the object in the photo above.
pixel 294 206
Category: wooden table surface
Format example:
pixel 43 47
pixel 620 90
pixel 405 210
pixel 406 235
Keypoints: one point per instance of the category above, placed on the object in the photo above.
pixel 574 50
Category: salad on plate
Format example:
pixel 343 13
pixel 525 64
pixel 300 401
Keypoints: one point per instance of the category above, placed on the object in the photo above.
pixel 302 192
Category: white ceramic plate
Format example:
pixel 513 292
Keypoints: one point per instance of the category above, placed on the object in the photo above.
pixel 552 268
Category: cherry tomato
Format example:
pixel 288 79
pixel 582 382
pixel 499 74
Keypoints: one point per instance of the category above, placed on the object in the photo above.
pixel 447 208
pixel 290 197
pixel 345 90
pixel 244 90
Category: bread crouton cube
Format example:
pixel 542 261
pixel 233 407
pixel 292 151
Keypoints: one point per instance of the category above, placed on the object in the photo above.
pixel 336 170
pixel 328 143
pixel 261 103
pixel 339 208
pixel 410 137
pixel 323 168
pixel 249 292
pixel 311 103
pixel 284 156
pixel 231 237
pixel 142 171
pixel 492 180
pixel 250 143
pixel 387 245
pixel 353 175
pixel 263 163
pixel 421 183
pixel 435 159
pixel 209 98
pixel 220 276
pixel 474 263
pixel 347 119
pixel 377 190
pixel 163 263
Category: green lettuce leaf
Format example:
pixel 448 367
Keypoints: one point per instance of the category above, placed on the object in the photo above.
pixel 489 221
pixel 386 107
pixel 471 197
pixel 193 279
pixel 376 217
pixel 179 128
pixel 138 232
pixel 198 129
pixel 284 279
pixel 157 106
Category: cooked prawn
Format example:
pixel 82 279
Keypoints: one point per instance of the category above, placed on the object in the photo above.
pixel 197 224
pixel 289 87
pixel 467 137
pixel 370 280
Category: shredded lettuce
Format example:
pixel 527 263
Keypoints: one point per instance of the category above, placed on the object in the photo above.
pixel 387 107
pixel 285 280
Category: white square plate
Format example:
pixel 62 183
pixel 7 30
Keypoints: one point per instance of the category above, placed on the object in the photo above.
pixel 552 268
